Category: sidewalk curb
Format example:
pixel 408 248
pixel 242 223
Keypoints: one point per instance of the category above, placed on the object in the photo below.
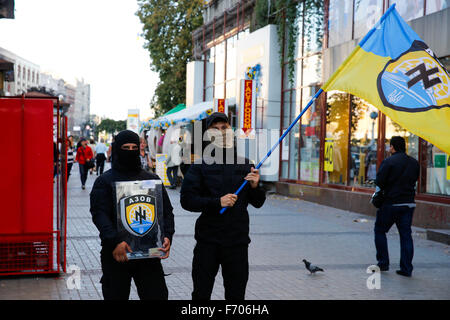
pixel 439 235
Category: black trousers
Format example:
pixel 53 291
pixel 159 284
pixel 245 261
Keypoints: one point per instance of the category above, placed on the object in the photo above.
pixel 69 168
pixel 402 216
pixel 100 161
pixel 83 173
pixel 172 175
pixel 205 265
pixel 148 276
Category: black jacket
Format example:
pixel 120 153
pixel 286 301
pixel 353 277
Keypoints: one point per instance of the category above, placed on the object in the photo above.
pixel 204 185
pixel 102 205
pixel 397 177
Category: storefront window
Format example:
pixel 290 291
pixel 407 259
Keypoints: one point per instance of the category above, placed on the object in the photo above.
pixel 409 9
pixel 437 171
pixel 284 168
pixel 209 95
pixel 363 143
pixel 285 157
pixel 285 142
pixel 367 13
pixel 286 109
pixel 412 141
pixel 209 74
pixel 289 150
pixel 435 178
pixel 298 44
pixel 293 152
pixel 336 143
pixel 340 21
pixel 296 77
pixel 310 139
pixel 295 136
pixel 313 30
pixel 436 5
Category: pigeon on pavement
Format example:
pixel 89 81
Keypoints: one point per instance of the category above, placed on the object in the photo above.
pixel 311 268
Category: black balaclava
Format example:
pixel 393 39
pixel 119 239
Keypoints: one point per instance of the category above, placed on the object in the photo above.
pixel 126 160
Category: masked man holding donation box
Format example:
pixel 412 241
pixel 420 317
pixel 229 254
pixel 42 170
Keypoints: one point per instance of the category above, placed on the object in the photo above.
pixel 222 239
pixel 117 270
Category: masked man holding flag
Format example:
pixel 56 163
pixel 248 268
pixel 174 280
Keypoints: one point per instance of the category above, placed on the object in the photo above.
pixel 148 274
pixel 222 239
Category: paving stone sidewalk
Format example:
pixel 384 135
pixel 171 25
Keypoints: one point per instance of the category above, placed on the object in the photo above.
pixel 283 232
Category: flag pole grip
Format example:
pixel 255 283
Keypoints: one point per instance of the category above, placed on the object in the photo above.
pixel 279 141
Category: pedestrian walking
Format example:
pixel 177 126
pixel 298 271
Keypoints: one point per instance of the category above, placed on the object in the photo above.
pixel 70 159
pixel 91 145
pixel 117 270
pixel 143 155
pixel 397 179
pixel 84 158
pixel 100 156
pixel 222 239
pixel 109 152
pixel 173 161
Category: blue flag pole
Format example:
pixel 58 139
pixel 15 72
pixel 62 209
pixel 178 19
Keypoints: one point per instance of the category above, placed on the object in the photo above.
pixel 279 141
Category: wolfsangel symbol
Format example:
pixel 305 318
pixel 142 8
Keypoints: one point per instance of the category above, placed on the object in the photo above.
pixel 139 215
pixel 415 81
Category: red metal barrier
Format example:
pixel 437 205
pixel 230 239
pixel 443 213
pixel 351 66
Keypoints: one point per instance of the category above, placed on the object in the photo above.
pixel 29 232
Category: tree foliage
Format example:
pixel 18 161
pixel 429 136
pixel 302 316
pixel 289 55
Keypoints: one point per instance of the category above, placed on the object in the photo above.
pixel 111 126
pixel 263 14
pixel 167 28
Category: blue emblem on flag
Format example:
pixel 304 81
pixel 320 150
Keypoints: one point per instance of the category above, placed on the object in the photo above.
pixel 415 81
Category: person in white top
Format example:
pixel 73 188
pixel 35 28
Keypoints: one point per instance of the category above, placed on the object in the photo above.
pixel 172 162
pixel 100 155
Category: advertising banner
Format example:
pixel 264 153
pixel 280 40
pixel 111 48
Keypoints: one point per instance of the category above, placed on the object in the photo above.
pixel 247 109
pixel 161 168
pixel 133 120
pixel 221 105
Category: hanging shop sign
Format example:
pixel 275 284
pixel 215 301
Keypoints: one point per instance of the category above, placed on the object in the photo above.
pixel 247 109
pixel 221 105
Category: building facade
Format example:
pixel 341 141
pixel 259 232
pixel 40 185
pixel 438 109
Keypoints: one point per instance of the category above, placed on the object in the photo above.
pixel 17 75
pixel 356 132
pixel 82 106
